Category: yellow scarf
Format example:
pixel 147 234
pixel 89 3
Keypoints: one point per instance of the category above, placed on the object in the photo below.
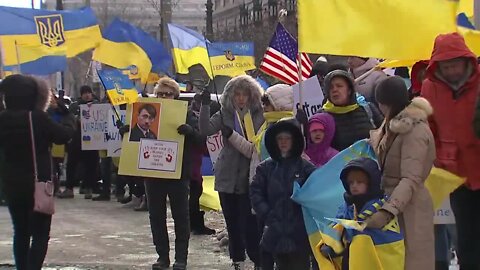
pixel 245 127
pixel 332 108
pixel 270 117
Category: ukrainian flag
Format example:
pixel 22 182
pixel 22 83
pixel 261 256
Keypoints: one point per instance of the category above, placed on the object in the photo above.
pixel 125 45
pixel 188 48
pixel 231 58
pixel 38 40
pixel 119 87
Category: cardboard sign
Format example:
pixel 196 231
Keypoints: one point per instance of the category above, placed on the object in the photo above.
pixel 153 148
pixel 157 155
pixel 94 125
pixel 215 146
pixel 444 214
pixel 312 96
pixel 115 140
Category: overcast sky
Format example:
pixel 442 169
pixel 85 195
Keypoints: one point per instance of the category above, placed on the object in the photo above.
pixel 20 3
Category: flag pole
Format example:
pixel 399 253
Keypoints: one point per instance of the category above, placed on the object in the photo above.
pixel 18 57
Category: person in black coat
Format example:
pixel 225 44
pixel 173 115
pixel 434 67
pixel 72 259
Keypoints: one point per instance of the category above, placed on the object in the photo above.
pixel 24 94
pixel 284 234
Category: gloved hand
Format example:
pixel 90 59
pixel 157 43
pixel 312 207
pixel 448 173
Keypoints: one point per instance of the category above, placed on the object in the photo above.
pixel 185 129
pixel 124 129
pixel 227 132
pixel 301 117
pixel 205 95
pixel 62 108
pixel 119 124
pixel 327 251
pixel 379 220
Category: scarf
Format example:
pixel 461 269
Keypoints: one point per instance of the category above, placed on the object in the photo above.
pixel 332 108
pixel 270 118
pixel 244 126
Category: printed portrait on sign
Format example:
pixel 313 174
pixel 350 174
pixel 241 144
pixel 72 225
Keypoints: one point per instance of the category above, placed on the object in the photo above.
pixel 145 121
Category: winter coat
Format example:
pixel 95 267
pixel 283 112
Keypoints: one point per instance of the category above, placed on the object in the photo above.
pixel 458 149
pixel 271 189
pixel 319 154
pixel 417 69
pixel 232 168
pixel 476 123
pixel 366 87
pixel 406 154
pixel 18 173
pixel 193 151
pixel 351 125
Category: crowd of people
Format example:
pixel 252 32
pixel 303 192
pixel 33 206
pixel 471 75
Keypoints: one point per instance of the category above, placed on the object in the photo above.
pixel 267 149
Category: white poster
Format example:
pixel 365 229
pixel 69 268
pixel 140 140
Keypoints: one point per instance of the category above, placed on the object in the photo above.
pixel 157 155
pixel 115 140
pixel 312 96
pixel 444 214
pixel 215 146
pixel 94 124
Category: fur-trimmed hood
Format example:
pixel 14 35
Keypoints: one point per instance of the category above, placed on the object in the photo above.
pixel 244 82
pixel 23 92
pixel 418 111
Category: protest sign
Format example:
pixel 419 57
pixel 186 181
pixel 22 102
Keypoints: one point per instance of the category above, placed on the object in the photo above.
pixel 312 96
pixel 153 148
pixel 215 146
pixel 444 214
pixel 115 140
pixel 94 125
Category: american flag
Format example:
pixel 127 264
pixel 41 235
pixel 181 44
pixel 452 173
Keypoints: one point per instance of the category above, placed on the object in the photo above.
pixel 280 59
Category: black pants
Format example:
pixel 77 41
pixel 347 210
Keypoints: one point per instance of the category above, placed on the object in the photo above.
pixel 266 257
pixel 241 226
pixel 465 205
pixel 90 161
pixel 31 232
pixel 106 170
pixel 293 261
pixel 196 216
pixel 177 191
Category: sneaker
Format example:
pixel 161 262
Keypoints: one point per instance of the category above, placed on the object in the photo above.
pixel 102 197
pixel 179 266
pixel 238 265
pixel 125 200
pixel 66 194
pixel 143 207
pixel 88 194
pixel 160 265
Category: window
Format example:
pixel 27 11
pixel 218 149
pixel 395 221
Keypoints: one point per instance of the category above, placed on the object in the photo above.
pixel 272 8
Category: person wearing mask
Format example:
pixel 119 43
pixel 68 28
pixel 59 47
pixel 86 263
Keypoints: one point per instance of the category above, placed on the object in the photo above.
pixel 241 111
pixel 25 95
pixel 358 66
pixel 405 148
pixel 284 234
pixel 451 86
pixel 352 121
pixel 321 130
pixel 89 159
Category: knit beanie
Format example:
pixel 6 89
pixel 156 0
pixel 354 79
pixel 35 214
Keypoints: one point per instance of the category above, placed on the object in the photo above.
pixel 392 91
pixel 281 97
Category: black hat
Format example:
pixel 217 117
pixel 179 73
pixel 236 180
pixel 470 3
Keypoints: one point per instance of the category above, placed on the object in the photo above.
pixel 84 89
pixel 393 92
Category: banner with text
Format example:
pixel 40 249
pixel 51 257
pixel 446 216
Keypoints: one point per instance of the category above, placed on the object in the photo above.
pixel 215 146
pixel 114 139
pixel 94 125
pixel 312 96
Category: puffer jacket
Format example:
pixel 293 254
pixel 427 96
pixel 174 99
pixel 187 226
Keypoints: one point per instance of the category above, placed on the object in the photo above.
pixel 406 154
pixel 232 167
pixel 366 87
pixel 271 189
pixel 319 154
pixel 458 149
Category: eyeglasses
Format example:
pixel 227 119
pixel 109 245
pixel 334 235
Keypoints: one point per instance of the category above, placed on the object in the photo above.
pixel 165 94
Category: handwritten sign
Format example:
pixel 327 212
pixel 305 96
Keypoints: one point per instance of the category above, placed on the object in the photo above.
pixel 115 140
pixel 312 96
pixel 444 214
pixel 94 125
pixel 215 146
pixel 157 155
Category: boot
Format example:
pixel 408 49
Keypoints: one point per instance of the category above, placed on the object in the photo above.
pixel 125 200
pixel 238 266
pixel 134 202
pixel 88 194
pixel 199 227
pixel 143 207
pixel 66 194
pixel 102 197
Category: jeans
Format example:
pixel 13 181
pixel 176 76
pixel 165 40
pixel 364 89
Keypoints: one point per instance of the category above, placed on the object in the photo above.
pixel 90 160
pixel 465 204
pixel 241 227
pixel 293 261
pixel 177 191
pixel 30 237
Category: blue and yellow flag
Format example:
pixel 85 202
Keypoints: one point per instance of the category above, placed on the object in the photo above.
pixel 381 29
pixel 120 89
pixel 188 48
pixel 231 58
pixel 125 45
pixel 42 38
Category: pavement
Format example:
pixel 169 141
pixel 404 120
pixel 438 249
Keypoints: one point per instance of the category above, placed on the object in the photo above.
pixel 108 235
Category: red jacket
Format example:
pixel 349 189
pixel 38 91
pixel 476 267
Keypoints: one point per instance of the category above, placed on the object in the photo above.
pixel 458 150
